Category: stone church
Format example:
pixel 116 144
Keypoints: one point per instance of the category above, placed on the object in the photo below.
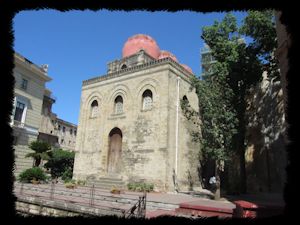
pixel 131 124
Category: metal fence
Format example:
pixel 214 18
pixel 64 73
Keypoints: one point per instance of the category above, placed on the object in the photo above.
pixel 126 204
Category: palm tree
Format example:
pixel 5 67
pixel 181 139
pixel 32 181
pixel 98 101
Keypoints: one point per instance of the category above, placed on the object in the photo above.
pixel 41 150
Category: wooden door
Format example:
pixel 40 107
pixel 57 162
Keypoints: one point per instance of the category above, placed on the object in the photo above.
pixel 114 153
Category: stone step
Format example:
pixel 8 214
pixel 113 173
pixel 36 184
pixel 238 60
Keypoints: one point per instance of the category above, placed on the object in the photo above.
pixel 109 186
pixel 107 183
pixel 110 179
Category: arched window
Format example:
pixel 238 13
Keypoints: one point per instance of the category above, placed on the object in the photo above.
pixel 118 104
pixel 94 109
pixel 185 99
pixel 123 66
pixel 184 103
pixel 147 100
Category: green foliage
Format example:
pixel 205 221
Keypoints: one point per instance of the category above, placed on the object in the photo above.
pixel 71 181
pixel 41 151
pixel 81 182
pixel 218 119
pixel 261 27
pixel 34 173
pixel 67 174
pixel 61 163
pixel 140 187
pixel 239 66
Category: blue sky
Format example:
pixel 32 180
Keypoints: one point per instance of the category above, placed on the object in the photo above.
pixel 77 45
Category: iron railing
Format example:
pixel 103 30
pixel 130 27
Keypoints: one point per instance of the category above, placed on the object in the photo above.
pixel 138 209
pixel 87 196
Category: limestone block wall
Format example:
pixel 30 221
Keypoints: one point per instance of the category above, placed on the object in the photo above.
pixel 148 143
pixel 188 150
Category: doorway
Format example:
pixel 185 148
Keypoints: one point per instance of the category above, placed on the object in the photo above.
pixel 114 151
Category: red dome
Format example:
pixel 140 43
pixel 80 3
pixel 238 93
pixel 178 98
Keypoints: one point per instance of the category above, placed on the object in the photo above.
pixel 187 68
pixel 166 54
pixel 138 42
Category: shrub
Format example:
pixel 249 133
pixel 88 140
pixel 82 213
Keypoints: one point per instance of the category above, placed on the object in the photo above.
pixel 41 152
pixel 81 182
pixel 67 174
pixel 140 187
pixel 130 186
pixel 115 190
pixel 34 173
pixel 70 184
pixel 60 161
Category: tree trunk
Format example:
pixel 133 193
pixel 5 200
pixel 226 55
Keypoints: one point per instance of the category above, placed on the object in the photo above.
pixel 218 183
pixel 241 144
pixel 37 162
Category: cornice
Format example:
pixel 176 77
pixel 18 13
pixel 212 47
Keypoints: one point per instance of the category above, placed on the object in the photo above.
pixel 137 68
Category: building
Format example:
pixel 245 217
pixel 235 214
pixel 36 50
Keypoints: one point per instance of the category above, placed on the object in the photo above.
pixel 207 61
pixel 66 133
pixel 57 132
pixel 30 81
pixel 131 125
pixel 284 43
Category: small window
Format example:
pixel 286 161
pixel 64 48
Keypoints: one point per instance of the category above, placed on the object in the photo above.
pixel 58 127
pixel 51 132
pixel 147 100
pixel 19 111
pixel 118 105
pixel 24 84
pixel 94 109
pixel 75 132
pixel 123 66
pixel 64 129
pixel 62 141
pixel 185 101
pixel 71 131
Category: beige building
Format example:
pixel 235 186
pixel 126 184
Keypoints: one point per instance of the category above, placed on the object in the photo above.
pixel 59 133
pixel 131 125
pixel 29 90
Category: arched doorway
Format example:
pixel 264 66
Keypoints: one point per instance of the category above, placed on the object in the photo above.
pixel 114 151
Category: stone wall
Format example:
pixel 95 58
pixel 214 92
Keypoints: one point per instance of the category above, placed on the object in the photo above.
pixel 148 143
pixel 265 153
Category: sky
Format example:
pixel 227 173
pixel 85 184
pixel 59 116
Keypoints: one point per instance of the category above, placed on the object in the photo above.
pixel 77 45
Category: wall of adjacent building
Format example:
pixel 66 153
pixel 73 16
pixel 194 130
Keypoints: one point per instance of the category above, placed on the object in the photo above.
pixel 49 128
pixel 265 152
pixel 33 96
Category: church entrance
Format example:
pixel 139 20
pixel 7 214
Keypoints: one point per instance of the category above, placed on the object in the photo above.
pixel 114 151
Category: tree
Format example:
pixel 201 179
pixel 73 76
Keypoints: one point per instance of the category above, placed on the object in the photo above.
pixel 41 152
pixel 218 123
pixel 239 66
pixel 60 161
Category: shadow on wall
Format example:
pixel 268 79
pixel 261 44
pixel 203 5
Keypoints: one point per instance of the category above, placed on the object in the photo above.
pixel 265 151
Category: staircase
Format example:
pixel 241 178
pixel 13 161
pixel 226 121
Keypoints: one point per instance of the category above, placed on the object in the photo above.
pixel 107 183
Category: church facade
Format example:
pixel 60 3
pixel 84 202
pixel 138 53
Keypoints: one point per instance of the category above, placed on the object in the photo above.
pixel 131 124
